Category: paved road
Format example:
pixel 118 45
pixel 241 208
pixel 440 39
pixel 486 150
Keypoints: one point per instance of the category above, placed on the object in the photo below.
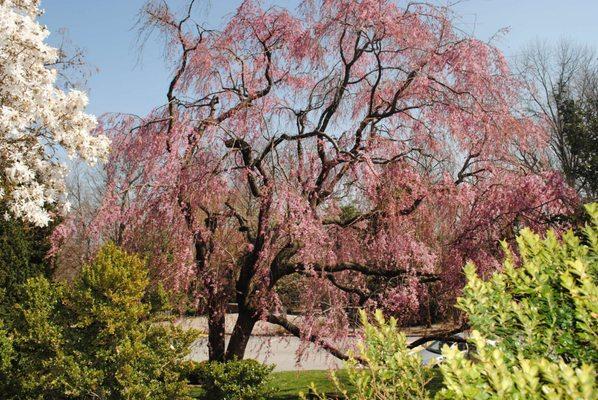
pixel 278 350
pixel 282 351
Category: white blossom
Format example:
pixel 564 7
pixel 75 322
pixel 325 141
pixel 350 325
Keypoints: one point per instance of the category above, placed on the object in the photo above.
pixel 37 118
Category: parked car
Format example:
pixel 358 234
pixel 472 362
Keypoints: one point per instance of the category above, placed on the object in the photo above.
pixel 432 352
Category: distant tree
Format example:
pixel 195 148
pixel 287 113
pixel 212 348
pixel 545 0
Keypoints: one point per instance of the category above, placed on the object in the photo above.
pixel 85 187
pixel 562 89
pixel 580 129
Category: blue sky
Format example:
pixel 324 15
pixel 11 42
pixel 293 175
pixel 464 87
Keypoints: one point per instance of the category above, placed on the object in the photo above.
pixel 126 83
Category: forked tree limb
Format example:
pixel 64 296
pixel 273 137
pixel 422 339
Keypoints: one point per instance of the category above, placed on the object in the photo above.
pixel 441 336
pixel 296 331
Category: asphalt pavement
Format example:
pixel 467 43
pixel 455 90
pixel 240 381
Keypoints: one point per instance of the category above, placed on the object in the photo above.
pixel 283 350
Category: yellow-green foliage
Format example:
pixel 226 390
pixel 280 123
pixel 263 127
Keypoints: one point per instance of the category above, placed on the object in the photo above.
pixel 548 305
pixel 391 370
pixel 494 374
pixel 534 325
pixel 94 339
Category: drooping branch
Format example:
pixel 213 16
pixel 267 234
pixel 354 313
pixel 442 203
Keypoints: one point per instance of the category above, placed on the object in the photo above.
pixel 412 207
pixel 371 214
pixel 424 277
pixel 443 335
pixel 353 220
pixel 363 296
pixel 296 331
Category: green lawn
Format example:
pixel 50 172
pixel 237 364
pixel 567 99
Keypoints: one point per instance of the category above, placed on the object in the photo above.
pixel 288 384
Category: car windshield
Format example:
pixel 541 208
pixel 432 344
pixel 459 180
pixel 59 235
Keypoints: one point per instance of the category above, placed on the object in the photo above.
pixel 435 347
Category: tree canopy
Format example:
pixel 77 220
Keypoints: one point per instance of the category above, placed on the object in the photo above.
pixel 280 122
pixel 37 119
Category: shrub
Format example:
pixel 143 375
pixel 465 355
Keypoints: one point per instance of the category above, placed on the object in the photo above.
pixel 6 351
pixel 548 305
pixel 232 380
pixel 22 256
pixel 158 299
pixel 390 370
pixel 534 325
pixel 39 367
pixel 495 374
pixel 95 339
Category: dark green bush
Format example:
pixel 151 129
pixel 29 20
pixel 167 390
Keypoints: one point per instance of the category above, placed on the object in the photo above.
pixel 22 256
pixel 157 298
pixel 6 352
pixel 94 339
pixel 232 380
pixel 23 251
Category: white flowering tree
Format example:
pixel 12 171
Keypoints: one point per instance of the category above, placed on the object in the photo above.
pixel 38 121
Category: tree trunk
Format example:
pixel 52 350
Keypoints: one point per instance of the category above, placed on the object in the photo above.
pixel 216 330
pixel 240 336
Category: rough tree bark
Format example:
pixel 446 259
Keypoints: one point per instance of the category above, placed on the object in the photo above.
pixel 216 330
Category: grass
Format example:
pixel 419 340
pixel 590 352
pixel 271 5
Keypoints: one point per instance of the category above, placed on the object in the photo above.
pixel 288 384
